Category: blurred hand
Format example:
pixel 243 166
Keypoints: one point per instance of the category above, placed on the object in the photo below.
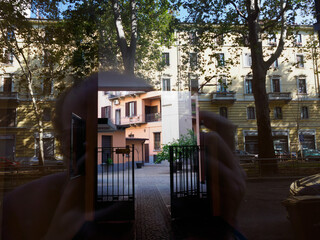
pixel 227 178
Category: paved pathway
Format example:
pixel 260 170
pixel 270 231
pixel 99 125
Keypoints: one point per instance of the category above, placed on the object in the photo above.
pixel 152 203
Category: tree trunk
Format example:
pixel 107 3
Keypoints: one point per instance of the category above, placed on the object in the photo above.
pixel 265 141
pixel 259 72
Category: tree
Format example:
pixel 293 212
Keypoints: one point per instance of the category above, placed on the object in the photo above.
pixel 118 34
pixel 31 43
pixel 251 21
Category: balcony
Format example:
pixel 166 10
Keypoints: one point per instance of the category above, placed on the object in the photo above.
pixel 153 117
pixel 279 96
pixel 12 96
pixel 223 97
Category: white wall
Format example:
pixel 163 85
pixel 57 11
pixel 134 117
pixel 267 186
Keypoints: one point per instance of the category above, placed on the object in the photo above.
pixel 176 115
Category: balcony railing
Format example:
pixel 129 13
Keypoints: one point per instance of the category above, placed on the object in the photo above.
pixel 280 96
pixel 9 95
pixel 229 97
pixel 153 117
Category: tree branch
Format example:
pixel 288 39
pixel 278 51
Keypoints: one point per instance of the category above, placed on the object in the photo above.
pixel 238 10
pixel 273 22
pixel 283 32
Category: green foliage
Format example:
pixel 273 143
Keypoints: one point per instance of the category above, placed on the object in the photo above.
pixel 188 139
pixel 91 31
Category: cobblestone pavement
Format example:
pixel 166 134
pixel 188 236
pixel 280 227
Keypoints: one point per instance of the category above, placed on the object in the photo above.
pixel 152 201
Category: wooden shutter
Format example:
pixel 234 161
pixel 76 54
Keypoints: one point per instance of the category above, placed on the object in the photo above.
pixel 103 112
pixel 127 109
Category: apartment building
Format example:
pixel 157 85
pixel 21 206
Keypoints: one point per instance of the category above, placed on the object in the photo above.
pixel 292 86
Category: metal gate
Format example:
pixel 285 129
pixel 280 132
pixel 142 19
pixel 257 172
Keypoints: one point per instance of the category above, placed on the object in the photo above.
pixel 115 184
pixel 188 193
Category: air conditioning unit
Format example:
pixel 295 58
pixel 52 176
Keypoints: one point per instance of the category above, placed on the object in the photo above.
pixel 116 102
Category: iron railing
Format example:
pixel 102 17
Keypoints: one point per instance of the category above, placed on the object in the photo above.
pixel 188 191
pixel 153 117
pixel 115 182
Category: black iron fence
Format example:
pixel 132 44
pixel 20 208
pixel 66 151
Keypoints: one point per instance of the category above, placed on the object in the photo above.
pixel 188 190
pixel 115 183
pixel 286 167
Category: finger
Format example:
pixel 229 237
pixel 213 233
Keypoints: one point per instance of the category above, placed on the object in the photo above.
pixel 220 125
pixel 219 149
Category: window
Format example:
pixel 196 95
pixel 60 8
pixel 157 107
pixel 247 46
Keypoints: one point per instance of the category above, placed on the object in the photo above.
pixel 118 117
pixel 193 38
pixel 157 140
pixel 166 84
pixel 248 85
pixel 193 59
pixel 222 85
pixel 8 117
pixel 46 115
pixel 275 64
pixel 272 40
pixel 304 112
pixel 194 84
pixel 223 111
pixel 277 113
pixel 48 148
pixel 8 57
pixel 47 87
pixel 131 109
pixel 220 40
pixel 106 112
pixel 6 84
pixel 220 59
pixel 166 59
pixel 302 87
pixel 251 113
pixel 300 61
pixel 298 39
pixel 247 61
pixel 275 84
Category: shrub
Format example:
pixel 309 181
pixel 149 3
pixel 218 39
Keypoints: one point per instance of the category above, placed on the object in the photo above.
pixel 188 139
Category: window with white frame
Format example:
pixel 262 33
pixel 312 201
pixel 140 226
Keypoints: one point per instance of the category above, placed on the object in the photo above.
pixel 194 84
pixel 118 116
pixel 275 85
pixel 302 86
pixel 222 84
pixel 7 56
pixel 131 109
pixel 193 59
pixel 275 64
pixel 277 113
pixel 251 113
pixel 166 58
pixel 248 85
pixel 304 112
pixel 298 39
pixel 272 40
pixel 299 61
pixel 166 84
pixel 6 84
pixel 247 60
pixel 220 60
pixel 193 38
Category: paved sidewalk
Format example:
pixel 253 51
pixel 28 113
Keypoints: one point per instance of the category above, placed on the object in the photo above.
pixel 261 214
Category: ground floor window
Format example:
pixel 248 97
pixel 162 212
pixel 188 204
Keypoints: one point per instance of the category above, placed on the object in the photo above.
pixel 307 141
pixel 48 148
pixel 157 140
pixel 7 146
